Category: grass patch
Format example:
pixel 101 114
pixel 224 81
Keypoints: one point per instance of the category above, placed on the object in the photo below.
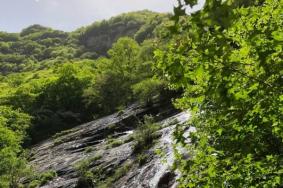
pixel 58 141
pixel 43 179
pixel 86 176
pixel 130 138
pixel 59 137
pixel 88 149
pixel 94 178
pixel 62 133
pixel 119 173
pixel 142 159
pixel 83 165
pixel 114 144
pixel 145 135
pixel 47 176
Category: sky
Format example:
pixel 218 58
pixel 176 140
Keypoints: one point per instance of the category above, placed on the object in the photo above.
pixel 68 15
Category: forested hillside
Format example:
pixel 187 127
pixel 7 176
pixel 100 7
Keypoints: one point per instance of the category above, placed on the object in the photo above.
pixel 53 80
pixel 223 64
pixel 38 47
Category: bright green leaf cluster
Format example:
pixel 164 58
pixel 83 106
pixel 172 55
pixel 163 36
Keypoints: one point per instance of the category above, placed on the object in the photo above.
pixel 228 60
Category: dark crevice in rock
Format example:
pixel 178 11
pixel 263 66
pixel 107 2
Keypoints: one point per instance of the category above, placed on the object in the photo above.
pixel 167 180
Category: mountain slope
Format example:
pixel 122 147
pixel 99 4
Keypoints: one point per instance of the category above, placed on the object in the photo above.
pixel 98 38
pixel 106 145
pixel 36 45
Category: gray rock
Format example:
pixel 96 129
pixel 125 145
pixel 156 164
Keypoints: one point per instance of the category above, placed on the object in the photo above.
pixel 91 139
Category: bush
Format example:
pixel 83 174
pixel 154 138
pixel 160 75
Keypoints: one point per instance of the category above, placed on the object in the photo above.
pixel 145 135
pixel 86 176
pixel 112 143
pixel 119 173
pixel 47 176
pixel 147 89
pixel 142 158
pixel 42 179
pixel 85 182
pixel 62 133
pixel 13 165
pixel 34 184
pixel 88 149
pixel 59 141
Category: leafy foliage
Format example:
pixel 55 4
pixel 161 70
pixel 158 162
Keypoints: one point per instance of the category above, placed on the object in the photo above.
pixel 119 173
pixel 96 39
pixel 52 80
pixel 38 47
pixel 12 131
pixel 147 89
pixel 115 78
pixel 145 135
pixel 228 60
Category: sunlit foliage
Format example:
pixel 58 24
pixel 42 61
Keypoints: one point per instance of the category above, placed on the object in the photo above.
pixel 228 60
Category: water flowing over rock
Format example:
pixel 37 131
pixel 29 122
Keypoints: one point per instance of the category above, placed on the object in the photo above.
pixel 91 140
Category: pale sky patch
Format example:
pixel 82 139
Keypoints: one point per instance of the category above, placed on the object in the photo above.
pixel 69 15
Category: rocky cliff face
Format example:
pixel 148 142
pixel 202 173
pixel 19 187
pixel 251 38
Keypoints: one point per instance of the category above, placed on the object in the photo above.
pixel 107 145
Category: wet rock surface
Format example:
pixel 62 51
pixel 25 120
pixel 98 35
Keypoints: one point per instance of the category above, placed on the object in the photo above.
pixel 65 150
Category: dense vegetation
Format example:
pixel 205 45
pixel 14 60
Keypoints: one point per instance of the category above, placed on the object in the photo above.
pixel 228 60
pixel 13 124
pixel 52 80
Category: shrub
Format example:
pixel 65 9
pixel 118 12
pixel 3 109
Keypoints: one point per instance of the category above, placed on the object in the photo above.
pixel 145 135
pixel 12 166
pixel 147 89
pixel 119 173
pixel 112 143
pixel 58 141
pixel 86 176
pixel 42 179
pixel 62 133
pixel 88 149
pixel 34 184
pixel 85 181
pixel 142 158
pixel 47 176
pixel 129 139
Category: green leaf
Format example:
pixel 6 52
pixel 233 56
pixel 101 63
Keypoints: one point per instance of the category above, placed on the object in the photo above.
pixel 278 35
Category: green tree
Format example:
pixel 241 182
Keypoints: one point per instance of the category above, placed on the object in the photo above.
pixel 114 76
pixel 12 131
pixel 15 120
pixel 63 93
pixel 100 36
pixel 60 104
pixel 148 89
pixel 228 60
